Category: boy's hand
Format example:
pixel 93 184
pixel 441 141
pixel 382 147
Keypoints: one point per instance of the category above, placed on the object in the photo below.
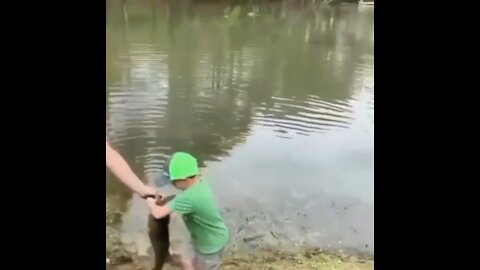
pixel 151 202
pixel 157 211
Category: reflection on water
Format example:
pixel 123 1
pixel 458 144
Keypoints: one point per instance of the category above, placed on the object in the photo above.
pixel 276 101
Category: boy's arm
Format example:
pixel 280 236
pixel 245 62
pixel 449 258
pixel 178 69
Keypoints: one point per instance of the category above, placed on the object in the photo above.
pixel 122 171
pixel 181 204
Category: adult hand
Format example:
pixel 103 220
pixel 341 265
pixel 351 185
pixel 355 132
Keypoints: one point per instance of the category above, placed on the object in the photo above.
pixel 148 192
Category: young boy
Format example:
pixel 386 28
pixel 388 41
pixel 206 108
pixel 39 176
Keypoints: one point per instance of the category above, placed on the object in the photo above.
pixel 196 203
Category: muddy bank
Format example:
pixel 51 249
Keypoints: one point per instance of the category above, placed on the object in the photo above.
pixel 270 260
pixel 307 259
pixel 115 253
pixel 119 258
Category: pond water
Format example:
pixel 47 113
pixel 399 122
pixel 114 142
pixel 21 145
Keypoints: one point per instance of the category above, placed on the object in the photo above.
pixel 276 100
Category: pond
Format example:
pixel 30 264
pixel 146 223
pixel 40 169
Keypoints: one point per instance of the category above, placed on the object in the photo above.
pixel 275 99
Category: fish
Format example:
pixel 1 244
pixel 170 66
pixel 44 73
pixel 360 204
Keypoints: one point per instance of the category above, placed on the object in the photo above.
pixel 159 236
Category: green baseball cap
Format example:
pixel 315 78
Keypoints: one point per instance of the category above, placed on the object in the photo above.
pixel 181 166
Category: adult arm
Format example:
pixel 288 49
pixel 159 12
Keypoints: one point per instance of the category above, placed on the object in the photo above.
pixel 124 173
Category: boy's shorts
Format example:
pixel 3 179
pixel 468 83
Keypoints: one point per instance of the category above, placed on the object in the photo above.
pixel 208 261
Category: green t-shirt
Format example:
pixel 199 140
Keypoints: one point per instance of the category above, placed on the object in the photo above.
pixel 202 218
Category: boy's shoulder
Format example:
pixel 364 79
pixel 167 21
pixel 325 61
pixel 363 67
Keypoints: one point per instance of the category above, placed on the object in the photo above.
pixel 201 189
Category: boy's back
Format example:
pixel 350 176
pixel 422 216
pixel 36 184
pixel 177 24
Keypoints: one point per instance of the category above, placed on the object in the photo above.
pixel 203 219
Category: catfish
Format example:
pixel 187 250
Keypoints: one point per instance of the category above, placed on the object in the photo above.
pixel 159 235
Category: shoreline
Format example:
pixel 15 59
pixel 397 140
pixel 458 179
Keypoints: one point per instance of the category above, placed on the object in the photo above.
pixel 118 258
pixel 268 260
